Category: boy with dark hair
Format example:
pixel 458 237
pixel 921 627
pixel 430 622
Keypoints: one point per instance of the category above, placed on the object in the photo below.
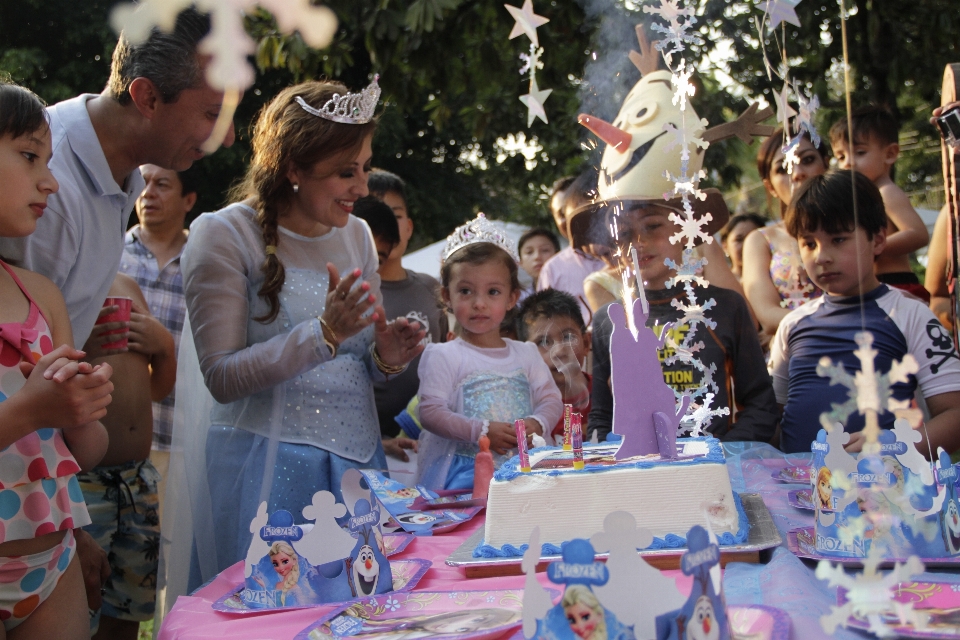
pixel 551 320
pixel 535 247
pixel 406 294
pixel 874 153
pixel 383 224
pixel 838 252
pixel 731 348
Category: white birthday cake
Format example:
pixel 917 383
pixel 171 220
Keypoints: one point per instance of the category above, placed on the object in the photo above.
pixel 666 497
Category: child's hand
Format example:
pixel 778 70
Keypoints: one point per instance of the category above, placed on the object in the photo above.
pixel 77 399
pixel 394 447
pixel 102 335
pixel 147 335
pixel 502 436
pixel 533 427
pixel 66 366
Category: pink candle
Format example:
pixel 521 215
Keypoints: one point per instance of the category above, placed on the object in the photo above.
pixel 576 427
pixel 521 429
pixel 567 441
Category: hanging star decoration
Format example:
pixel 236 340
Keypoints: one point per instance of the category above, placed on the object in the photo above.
pixel 781 11
pixel 869 392
pixel 784 110
pixel 526 21
pixel 227 44
pixel 534 100
pixel 808 107
pixel 870 595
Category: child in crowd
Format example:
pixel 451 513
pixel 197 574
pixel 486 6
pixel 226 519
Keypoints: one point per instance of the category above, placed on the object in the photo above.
pixel 874 153
pixel 551 320
pixel 479 383
pixel 390 395
pixel 122 491
pixel 838 253
pixel 50 404
pixel 535 247
pixel 733 236
pixel 731 348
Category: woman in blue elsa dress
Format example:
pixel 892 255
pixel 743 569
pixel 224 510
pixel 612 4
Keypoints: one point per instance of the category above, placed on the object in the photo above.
pixel 287 329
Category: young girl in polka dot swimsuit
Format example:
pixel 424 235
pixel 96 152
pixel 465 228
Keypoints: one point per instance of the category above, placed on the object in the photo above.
pixel 50 402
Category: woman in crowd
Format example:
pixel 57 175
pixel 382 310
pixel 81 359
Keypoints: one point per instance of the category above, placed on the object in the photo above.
pixel 773 278
pixel 733 236
pixel 287 347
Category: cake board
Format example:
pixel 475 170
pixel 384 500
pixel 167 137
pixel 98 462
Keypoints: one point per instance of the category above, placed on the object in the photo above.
pixel 763 537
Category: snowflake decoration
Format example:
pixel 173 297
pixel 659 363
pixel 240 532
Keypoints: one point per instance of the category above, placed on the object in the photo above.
pixel 808 107
pixel 686 136
pixel 392 604
pixel 869 392
pixel 870 595
pixel 681 80
pixel 702 415
pixel 790 157
pixel 531 61
pixel 797 292
pixel 688 271
pixel 227 44
pixel 695 312
pixel 685 186
pixel 691 229
pixel 679 22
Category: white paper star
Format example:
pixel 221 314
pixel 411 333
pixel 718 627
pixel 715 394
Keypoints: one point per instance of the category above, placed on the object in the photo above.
pixel 782 11
pixel 784 110
pixel 527 21
pixel 534 100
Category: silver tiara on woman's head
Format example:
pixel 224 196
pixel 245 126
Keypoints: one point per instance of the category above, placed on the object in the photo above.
pixel 350 108
pixel 479 230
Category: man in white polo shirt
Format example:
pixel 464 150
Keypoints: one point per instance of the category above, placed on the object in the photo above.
pixel 156 109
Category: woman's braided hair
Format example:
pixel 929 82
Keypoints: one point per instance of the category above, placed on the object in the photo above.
pixel 285 136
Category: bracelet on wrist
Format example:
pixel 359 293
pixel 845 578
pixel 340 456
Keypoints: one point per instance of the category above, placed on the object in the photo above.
pixel 329 337
pixel 385 368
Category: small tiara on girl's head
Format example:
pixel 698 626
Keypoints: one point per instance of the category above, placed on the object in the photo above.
pixel 479 230
pixel 350 108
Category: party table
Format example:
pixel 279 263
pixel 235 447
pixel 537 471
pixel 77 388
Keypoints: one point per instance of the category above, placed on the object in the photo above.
pixel 785 582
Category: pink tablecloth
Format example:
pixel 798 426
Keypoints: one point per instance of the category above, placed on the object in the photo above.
pixel 192 618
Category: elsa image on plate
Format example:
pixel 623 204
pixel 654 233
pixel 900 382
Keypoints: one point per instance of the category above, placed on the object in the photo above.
pixel 287 567
pixel 448 624
pixel 581 616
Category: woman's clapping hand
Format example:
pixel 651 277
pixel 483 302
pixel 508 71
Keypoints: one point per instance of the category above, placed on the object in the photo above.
pixel 398 342
pixel 343 312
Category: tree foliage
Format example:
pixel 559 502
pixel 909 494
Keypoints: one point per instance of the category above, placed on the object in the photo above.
pixel 452 117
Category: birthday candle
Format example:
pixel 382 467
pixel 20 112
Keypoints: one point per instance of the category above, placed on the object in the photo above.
pixel 576 427
pixel 521 430
pixel 567 409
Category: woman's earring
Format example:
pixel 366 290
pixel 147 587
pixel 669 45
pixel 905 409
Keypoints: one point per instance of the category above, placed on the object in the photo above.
pixel 296 188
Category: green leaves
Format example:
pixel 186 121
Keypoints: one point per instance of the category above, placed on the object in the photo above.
pixel 421 14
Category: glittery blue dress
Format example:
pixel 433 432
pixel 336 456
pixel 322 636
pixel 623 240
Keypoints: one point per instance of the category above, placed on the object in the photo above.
pixel 287 420
pixel 462 387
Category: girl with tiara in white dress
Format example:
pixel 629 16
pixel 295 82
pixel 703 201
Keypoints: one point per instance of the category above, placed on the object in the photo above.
pixel 480 383
pixel 286 346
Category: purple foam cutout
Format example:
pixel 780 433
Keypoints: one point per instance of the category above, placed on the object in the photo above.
pixel 639 390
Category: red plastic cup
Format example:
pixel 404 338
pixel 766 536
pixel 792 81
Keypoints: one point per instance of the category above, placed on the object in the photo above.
pixel 121 315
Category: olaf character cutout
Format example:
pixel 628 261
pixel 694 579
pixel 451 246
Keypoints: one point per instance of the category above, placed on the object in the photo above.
pixel 703 616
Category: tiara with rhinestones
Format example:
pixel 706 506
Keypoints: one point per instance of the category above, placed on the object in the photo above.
pixel 479 230
pixel 349 108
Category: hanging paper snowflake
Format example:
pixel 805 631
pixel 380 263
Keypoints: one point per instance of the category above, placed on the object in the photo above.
pixel 808 108
pixel 677 30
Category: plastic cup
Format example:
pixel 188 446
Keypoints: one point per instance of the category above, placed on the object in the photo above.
pixel 120 315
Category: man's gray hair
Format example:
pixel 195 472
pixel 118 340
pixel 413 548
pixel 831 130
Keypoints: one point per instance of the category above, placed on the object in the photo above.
pixel 169 60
